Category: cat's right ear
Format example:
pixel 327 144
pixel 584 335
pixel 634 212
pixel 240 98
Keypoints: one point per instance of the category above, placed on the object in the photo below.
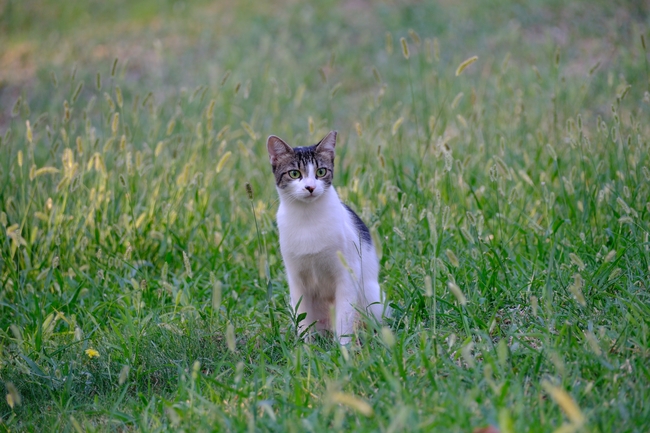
pixel 277 148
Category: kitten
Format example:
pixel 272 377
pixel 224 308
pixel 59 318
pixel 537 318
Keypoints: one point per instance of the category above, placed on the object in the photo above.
pixel 316 229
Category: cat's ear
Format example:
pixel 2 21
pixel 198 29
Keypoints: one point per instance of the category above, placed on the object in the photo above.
pixel 327 144
pixel 277 148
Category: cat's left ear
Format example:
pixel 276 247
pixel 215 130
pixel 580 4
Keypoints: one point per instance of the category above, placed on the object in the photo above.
pixel 327 144
pixel 277 148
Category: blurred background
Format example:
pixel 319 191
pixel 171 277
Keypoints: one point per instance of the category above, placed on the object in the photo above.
pixel 169 44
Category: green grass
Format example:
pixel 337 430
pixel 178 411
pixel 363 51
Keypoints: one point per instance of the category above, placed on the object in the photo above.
pixel 127 227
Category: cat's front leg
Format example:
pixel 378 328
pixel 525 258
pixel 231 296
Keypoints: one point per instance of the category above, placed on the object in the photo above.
pixel 345 315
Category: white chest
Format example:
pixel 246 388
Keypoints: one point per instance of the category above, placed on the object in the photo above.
pixel 309 233
pixel 312 228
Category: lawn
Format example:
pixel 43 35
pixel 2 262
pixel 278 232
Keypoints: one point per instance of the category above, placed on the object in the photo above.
pixel 141 281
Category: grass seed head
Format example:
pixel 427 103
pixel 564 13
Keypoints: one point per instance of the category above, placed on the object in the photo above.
pixel 456 100
pixel 109 101
pixel 414 37
pixel 310 125
pixel 225 77
pixel 464 64
pixel 428 287
pixel 387 336
pixel 196 368
pixel 230 337
pixel 576 260
pixel 187 264
pixel 222 132
pixel 127 253
pixel 551 151
pixel 15 330
pixel 145 101
pixel 210 111
pixel 615 274
pixel 77 91
pixel 216 292
pixel 396 125
pixel 445 216
pixel 15 110
pixel 433 230
pixel 13 397
pixel 118 96
pixel 249 130
pixel 593 343
pixel 355 403
pixel 223 160
pixel 453 260
pixel 566 403
pixel 610 256
pixel 29 132
pixel 624 206
pixel 335 89
pixel 448 160
pixel 173 416
pixel 466 351
pixel 375 73
pixel 357 126
pixel 534 305
pixel 67 113
pixel 389 43
pixel 115 123
pixel 114 67
pixel 170 126
pixel 503 169
pixel 405 48
pixel 576 289
pixel 124 375
pixel 455 290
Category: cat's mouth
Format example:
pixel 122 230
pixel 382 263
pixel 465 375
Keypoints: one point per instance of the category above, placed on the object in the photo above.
pixel 308 197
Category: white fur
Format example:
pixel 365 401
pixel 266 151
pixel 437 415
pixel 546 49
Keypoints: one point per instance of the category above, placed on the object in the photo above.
pixel 314 227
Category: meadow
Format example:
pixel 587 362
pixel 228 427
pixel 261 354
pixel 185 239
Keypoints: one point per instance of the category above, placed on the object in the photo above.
pixel 498 151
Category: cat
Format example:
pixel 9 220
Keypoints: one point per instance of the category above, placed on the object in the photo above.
pixel 328 253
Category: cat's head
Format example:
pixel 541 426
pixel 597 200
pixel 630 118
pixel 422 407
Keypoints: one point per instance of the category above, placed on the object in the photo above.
pixel 302 173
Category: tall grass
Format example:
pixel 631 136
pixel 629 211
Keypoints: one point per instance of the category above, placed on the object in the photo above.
pixel 141 281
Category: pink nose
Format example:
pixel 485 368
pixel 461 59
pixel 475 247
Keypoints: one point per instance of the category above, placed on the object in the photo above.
pixel 310 189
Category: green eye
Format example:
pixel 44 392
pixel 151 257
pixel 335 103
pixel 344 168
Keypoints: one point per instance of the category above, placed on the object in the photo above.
pixel 294 174
pixel 321 172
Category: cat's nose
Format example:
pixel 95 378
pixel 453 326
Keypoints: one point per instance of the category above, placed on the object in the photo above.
pixel 310 189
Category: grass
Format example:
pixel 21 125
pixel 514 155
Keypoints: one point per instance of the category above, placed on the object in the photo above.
pixel 130 134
